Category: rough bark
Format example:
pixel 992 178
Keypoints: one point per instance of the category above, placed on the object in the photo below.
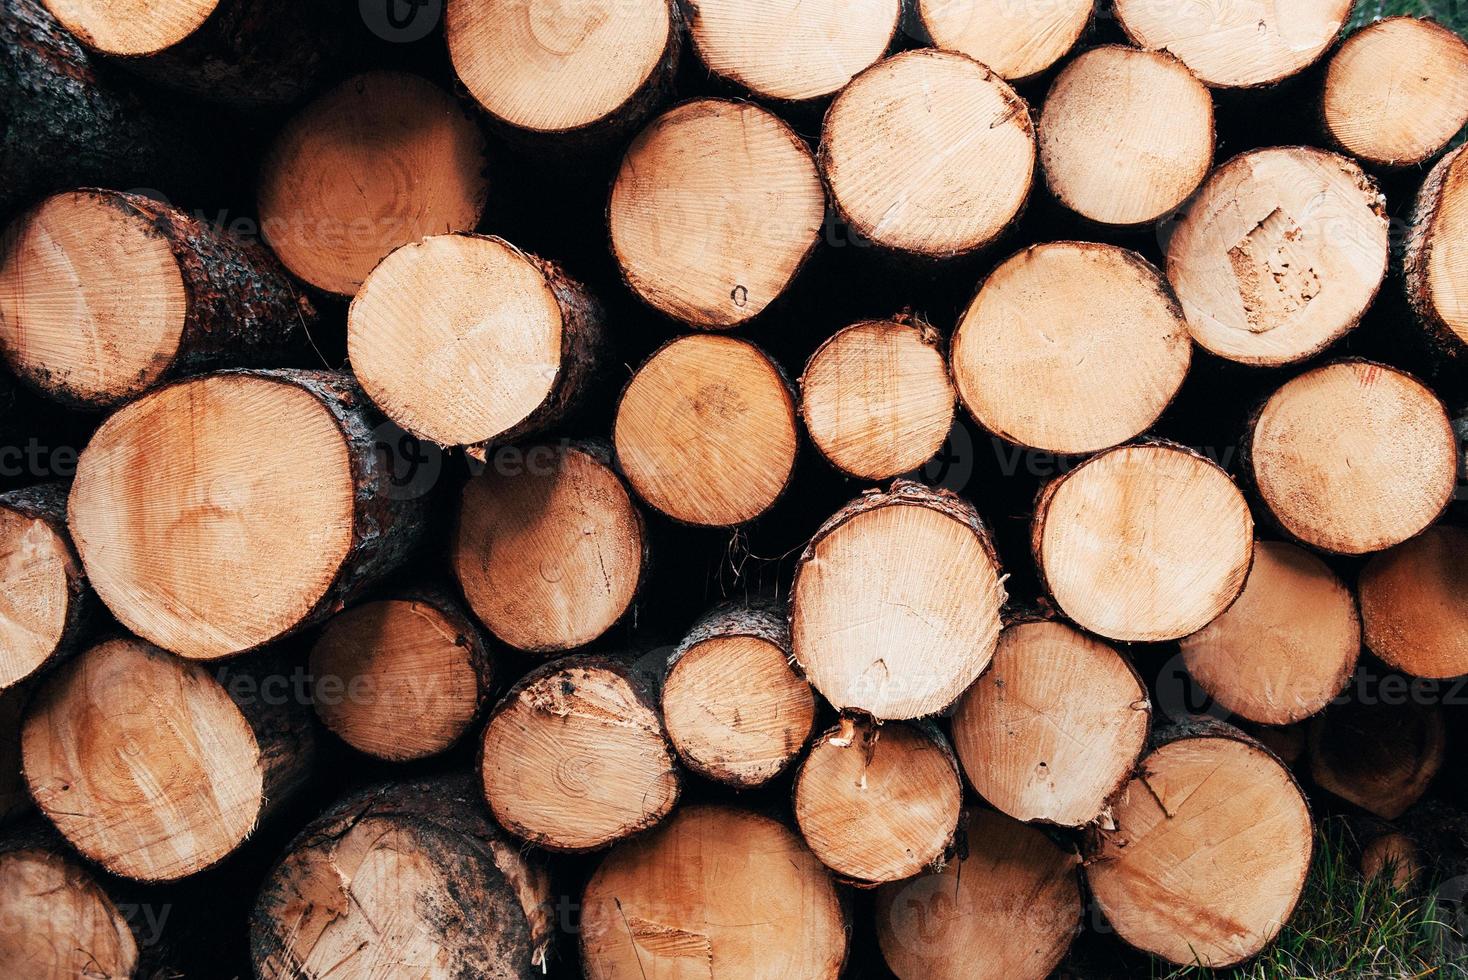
pixel 481 904
pixel 1417 250
pixel 208 756
pixel 242 309
pixel 66 119
pixel 254 54
pixel 385 525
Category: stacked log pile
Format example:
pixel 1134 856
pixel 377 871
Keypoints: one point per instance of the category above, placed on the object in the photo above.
pixel 644 490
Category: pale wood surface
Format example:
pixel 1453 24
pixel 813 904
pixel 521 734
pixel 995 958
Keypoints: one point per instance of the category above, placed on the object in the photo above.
pixel 1278 254
pixel 1053 728
pixel 1008 910
pixel 1125 135
pixel 551 67
pixel 1354 456
pixel 1286 646
pixel 719 891
pixel 705 431
pixel 716 206
pixel 1071 347
pixel 1397 91
pixel 928 152
pixel 381 160
pixel 1145 542
pixel 1209 853
pixel 1412 604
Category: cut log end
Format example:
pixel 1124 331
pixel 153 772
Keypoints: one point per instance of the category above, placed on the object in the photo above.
pixel 1394 858
pixel 1071 347
pixel 1125 135
pixel 877 399
pixel 706 431
pixel 1279 254
pixel 1009 906
pixel 132 27
pixel 575 757
pixel 1380 755
pixel 1435 260
pixel 1354 457
pixel 381 160
pixel 45 591
pixel 58 920
pixel 735 710
pixel 1143 543
pixel 92 302
pixel 717 885
pixel 1210 852
pixel 1397 91
pixel 549 68
pixel 1286 647
pixel 713 237
pixel 924 636
pixel 400 679
pixel 877 804
pixel 1411 604
pixel 928 153
pixel 792 50
pixel 1053 728
pixel 1015 40
pixel 143 762
pixel 462 897
pixel 215 514
pixel 1248 44
pixel 464 339
pixel 549 554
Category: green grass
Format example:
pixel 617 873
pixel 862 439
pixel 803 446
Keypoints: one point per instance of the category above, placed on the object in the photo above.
pixel 1350 928
pixel 1451 13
